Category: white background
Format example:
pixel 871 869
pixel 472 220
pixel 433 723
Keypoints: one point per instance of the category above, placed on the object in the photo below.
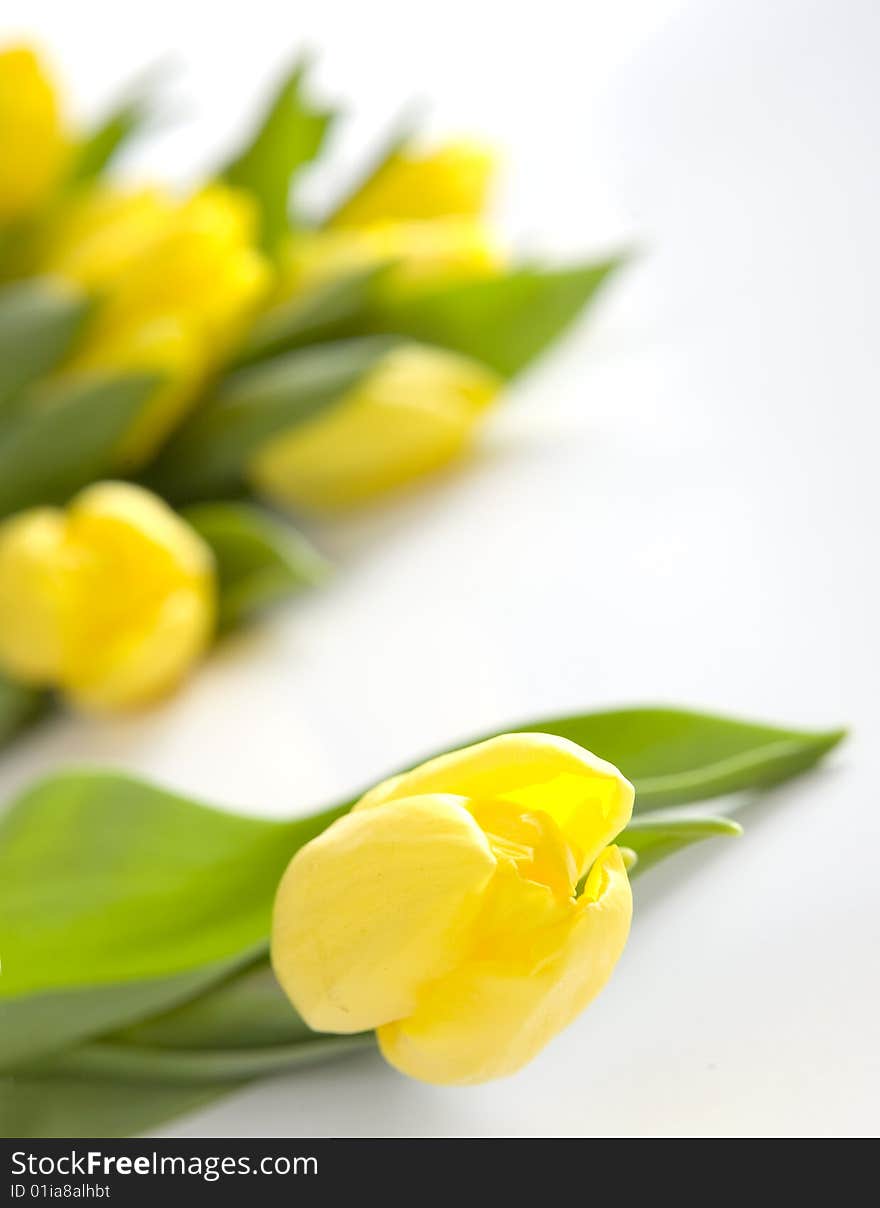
pixel 681 505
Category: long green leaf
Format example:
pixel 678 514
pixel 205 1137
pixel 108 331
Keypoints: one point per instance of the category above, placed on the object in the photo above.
pixel 101 145
pixel 188 1067
pixel 108 882
pixel 654 838
pixel 246 1010
pixel 33 1025
pixel 43 1106
pixel 106 1091
pixel 676 756
pixel 329 311
pixel 260 558
pixel 240 1029
pixel 39 320
pixel 506 321
pixel 289 136
pixel 209 455
pixel 67 438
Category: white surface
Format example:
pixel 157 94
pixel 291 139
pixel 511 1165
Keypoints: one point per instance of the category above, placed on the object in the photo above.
pixel 681 505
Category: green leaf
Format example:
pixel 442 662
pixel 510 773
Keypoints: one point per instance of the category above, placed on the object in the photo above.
pixel 43 1106
pixel 109 885
pixel 246 1010
pixel 328 311
pixel 39 320
pixel 505 321
pixel 209 455
pixel 289 136
pixel 102 144
pixel 242 1028
pixel 261 559
pixel 67 438
pixel 36 1024
pixel 654 838
pixel 676 756
pixel 187 1067
pixel 103 1090
pixel 19 706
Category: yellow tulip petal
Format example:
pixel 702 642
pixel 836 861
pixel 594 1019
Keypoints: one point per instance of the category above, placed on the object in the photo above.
pixel 102 234
pixel 376 906
pixel 452 181
pixel 200 267
pixel 588 798
pixel 146 663
pixel 413 415
pixel 142 598
pixel 493 1013
pixel 32 590
pixel 139 529
pixel 33 146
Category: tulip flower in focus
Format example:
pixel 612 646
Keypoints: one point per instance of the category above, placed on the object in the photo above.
pixel 178 283
pixel 111 600
pixel 422 215
pixel 415 413
pixel 468 910
pixel 33 146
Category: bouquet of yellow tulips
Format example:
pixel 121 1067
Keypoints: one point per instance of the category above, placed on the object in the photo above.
pixel 175 371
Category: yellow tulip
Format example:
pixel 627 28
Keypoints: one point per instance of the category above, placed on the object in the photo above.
pixel 102 233
pixel 451 182
pixel 443 910
pixel 111 600
pixel 414 413
pixel 417 253
pixel 33 146
pixel 177 282
pixel 420 214
pixel 201 265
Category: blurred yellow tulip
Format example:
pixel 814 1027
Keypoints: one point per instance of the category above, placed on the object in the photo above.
pixel 111 600
pixel 103 232
pixel 451 182
pixel 417 253
pixel 33 145
pixel 419 214
pixel 414 413
pixel 444 910
pixel 177 284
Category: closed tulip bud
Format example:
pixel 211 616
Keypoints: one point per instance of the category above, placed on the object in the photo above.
pixel 413 414
pixel 451 182
pixel 33 146
pixel 419 214
pixel 177 284
pixel 467 910
pixel 111 600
